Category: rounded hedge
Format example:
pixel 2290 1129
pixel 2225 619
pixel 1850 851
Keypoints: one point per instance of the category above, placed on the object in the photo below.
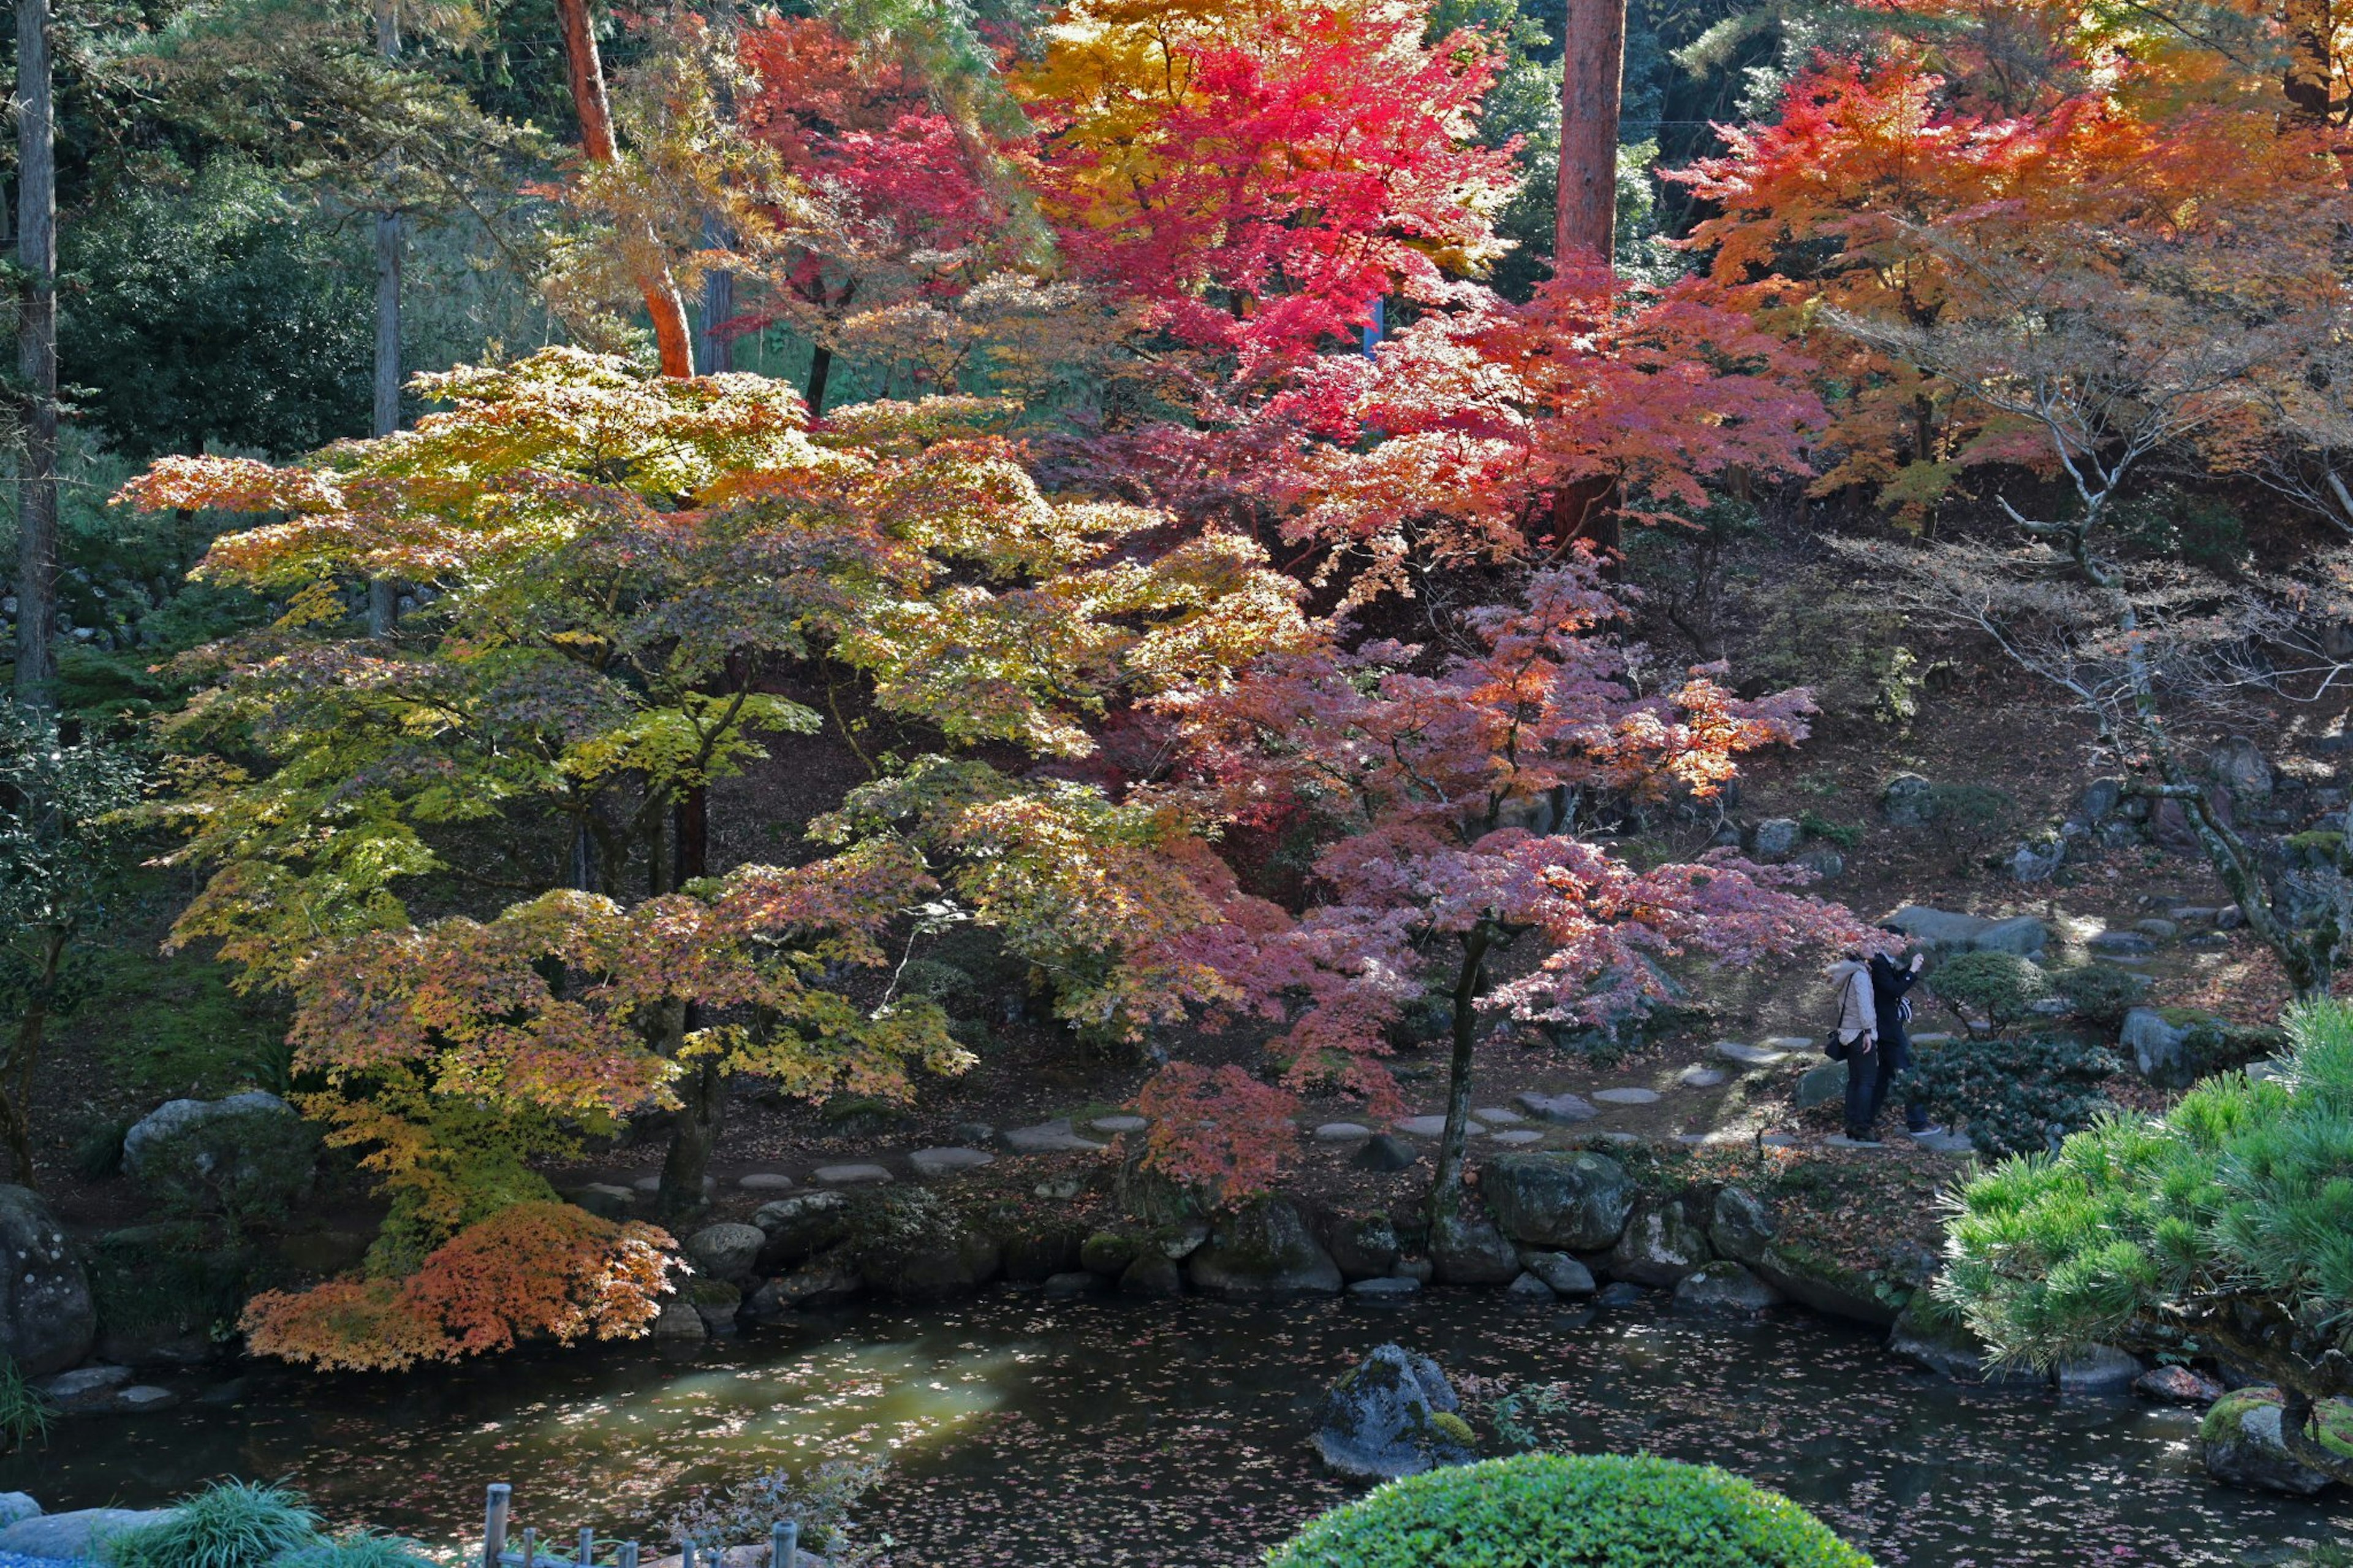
pixel 1554 1510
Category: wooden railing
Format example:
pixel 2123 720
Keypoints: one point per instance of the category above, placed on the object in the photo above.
pixel 499 1550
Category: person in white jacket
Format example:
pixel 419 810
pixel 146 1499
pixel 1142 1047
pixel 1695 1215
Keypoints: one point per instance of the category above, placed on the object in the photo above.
pixel 1857 1030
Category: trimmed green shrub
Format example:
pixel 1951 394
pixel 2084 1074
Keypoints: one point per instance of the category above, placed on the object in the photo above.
pixel 2099 994
pixel 2018 1097
pixel 1555 1510
pixel 229 1524
pixel 2002 987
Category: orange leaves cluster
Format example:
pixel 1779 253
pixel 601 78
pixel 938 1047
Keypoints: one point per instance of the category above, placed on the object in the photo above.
pixel 532 1271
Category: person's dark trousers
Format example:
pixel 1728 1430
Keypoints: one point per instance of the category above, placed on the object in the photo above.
pixel 1868 1081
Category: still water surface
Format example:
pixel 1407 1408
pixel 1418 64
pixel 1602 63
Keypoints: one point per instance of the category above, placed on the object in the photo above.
pixel 1153 1435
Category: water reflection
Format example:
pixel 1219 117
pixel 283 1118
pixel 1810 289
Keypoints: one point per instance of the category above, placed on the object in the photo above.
pixel 1115 1433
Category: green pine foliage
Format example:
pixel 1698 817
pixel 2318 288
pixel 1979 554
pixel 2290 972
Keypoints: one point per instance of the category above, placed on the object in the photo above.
pixel 2002 987
pixel 1555 1510
pixel 2225 1227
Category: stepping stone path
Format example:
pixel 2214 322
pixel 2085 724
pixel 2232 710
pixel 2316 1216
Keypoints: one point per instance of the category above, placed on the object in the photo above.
pixel 1627 1095
pixel 1390 1285
pixel 948 1162
pixel 849 1175
pixel 1788 1042
pixel 1498 1117
pixel 1780 1141
pixel 1841 1141
pixel 2122 944
pixel 1561 1109
pixel 1749 1056
pixel 1434 1126
pixel 653 1185
pixel 1516 1136
pixel 1118 1124
pixel 1700 1077
pixel 1048 1138
pixel 765 1182
pixel 1341 1131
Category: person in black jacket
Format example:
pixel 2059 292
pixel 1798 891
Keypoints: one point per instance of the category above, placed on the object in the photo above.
pixel 1866 1091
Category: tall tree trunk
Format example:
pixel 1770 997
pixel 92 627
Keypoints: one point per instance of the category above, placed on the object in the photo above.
pixel 715 353
pixel 1446 1189
pixel 384 593
pixel 37 358
pixel 820 368
pixel 1593 69
pixel 702 1092
pixel 2311 73
pixel 672 337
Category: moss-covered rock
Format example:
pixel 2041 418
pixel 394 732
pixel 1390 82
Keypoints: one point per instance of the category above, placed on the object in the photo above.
pixel 1572 1202
pixel 1396 1415
pixel 1264 1249
pixel 2239 1440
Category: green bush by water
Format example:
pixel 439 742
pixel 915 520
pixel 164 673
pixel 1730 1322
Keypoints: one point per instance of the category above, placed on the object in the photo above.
pixel 1553 1511
pixel 229 1524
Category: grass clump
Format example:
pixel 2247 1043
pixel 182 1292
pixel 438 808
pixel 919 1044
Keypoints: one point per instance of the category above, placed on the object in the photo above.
pixel 229 1524
pixel 1556 1510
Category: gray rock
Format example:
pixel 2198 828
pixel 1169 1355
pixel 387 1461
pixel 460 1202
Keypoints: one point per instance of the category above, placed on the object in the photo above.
pixel 1517 1137
pixel 207 1119
pixel 1568 1202
pixel 603 1200
pixel 1699 1077
pixel 2099 1369
pixel 1563 1274
pixel 1154 1273
pixel 2022 935
pixel 972 1133
pixel 84 1387
pixel 2100 801
pixel 764 1182
pixel 1379 1422
pixel 47 1322
pixel 1264 1249
pixel 1660 1245
pixel 1620 1294
pixel 1054 1137
pixel 1528 1285
pixel 1938 930
pixel 1821 1085
pixel 850 1175
pixel 1077 1282
pixel 1740 1227
pixel 2238 765
pixel 2122 943
pixel 2037 862
pixel 1385 1152
pixel 821 1282
pixel 1434 1127
pixel 143 1397
pixel 800 1225
pixel 1468 1249
pixel 680 1321
pixel 2157 930
pixel 1908 799
pixel 1560 1110
pixel 1341 1132
pixel 1386 1285
pixel 1061 1189
pixel 16 1507
pixel 1117 1124
pixel 948 1162
pixel 2239 1442
pixel 1364 1248
pixel 1749 1056
pixel 1496 1116
pixel 1627 1095
pixel 933 1267
pixel 73 1535
pixel 1823 861
pixel 1724 1288
pixel 1775 839
pixel 2159 1047
pixel 727 1251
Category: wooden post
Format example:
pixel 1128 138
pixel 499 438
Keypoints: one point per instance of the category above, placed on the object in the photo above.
pixel 785 1545
pixel 495 1523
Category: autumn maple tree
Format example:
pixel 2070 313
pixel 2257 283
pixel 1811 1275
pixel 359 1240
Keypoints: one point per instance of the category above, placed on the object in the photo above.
pixel 1454 803
pixel 626 570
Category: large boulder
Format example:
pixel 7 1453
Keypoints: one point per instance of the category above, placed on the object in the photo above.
pixel 75 1535
pixel 2099 1369
pixel 932 1265
pixel 1660 1247
pixel 247 1154
pixel 1726 1290
pixel 1263 1249
pixel 2023 936
pixel 1562 1274
pixel 1938 930
pixel 1034 1256
pixel 2239 1440
pixel 726 1252
pixel 1826 1285
pixel 1468 1249
pixel 1568 1202
pixel 1395 1416
pixel 1822 1085
pixel 2158 1041
pixel 46 1316
pixel 2238 765
pixel 1776 838
pixel 1909 801
pixel 1365 1247
pixel 800 1227
pixel 1740 1225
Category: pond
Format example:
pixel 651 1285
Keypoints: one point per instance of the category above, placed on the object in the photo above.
pixel 1034 1432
